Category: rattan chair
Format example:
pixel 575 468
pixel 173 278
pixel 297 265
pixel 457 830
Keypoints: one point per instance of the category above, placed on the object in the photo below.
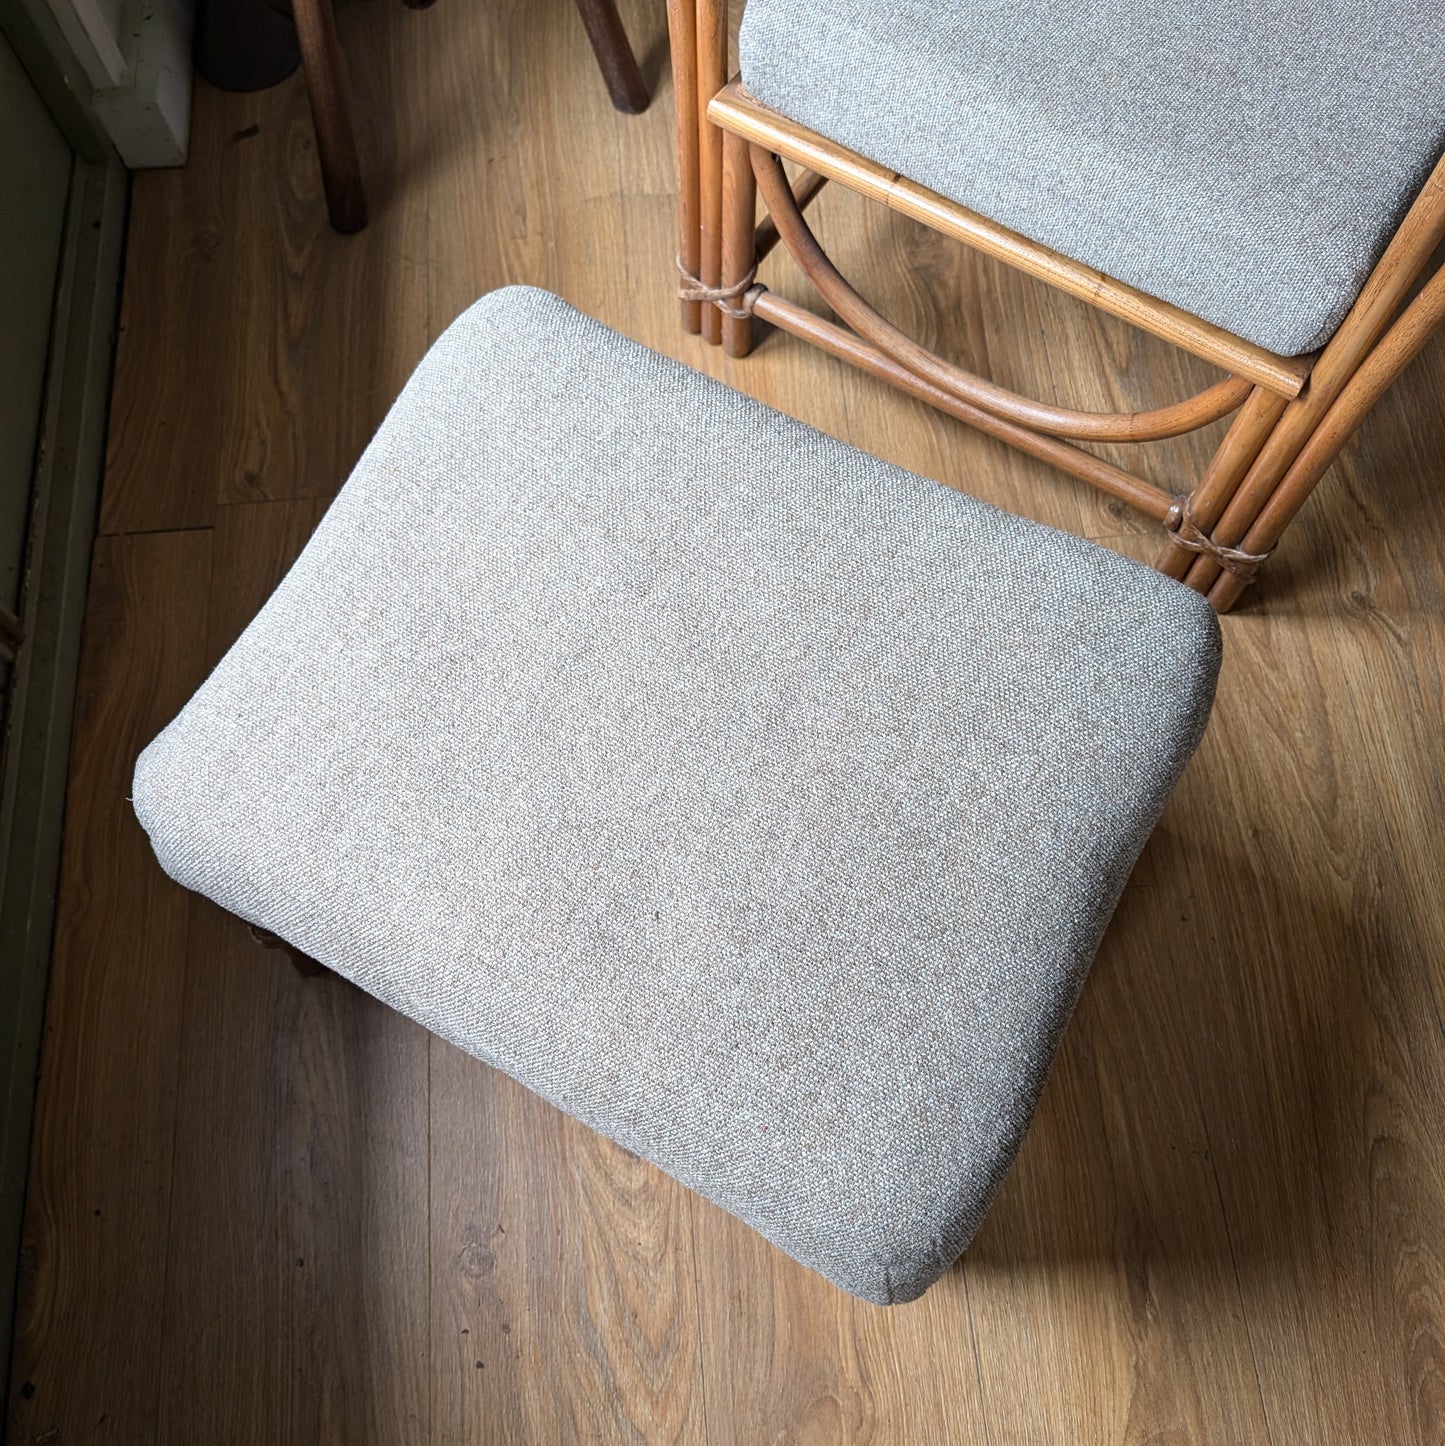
pixel 1261 186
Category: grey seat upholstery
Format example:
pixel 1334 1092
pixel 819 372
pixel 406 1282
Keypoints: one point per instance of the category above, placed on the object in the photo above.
pixel 1247 162
pixel 755 801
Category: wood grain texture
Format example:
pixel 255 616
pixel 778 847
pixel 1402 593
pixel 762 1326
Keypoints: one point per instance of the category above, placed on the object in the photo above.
pixel 308 1229
pixel 95 1252
pixel 556 1257
pixel 1227 1222
pixel 787 1358
pixel 258 351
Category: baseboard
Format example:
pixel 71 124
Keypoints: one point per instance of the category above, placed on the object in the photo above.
pixel 148 116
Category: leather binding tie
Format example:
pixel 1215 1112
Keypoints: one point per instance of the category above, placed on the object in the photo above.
pixel 720 296
pixel 1180 524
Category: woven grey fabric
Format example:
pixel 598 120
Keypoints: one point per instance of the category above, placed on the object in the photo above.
pixel 757 802
pixel 1247 162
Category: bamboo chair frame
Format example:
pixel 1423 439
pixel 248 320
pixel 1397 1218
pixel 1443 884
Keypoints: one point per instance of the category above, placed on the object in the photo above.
pixel 1292 415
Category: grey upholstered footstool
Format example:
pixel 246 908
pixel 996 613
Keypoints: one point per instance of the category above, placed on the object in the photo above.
pixel 756 802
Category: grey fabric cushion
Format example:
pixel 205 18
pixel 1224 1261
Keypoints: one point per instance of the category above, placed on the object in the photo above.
pixel 757 802
pixel 1247 162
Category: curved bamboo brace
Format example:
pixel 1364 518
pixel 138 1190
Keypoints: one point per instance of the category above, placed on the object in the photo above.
pixel 810 184
pixel 838 341
pixel 1186 416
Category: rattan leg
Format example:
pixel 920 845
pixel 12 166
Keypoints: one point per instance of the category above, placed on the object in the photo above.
pixel 1247 434
pixel 1404 259
pixel 712 49
pixel 740 207
pixel 682 36
pixel 1402 343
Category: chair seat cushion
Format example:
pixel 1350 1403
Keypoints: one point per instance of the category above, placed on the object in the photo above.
pixel 1247 163
pixel 758 803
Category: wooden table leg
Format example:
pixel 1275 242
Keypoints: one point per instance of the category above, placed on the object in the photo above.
pixel 614 55
pixel 331 113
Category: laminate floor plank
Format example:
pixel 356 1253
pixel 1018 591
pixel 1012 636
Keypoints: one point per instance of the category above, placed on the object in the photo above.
pixel 95 1252
pixel 556 1257
pixel 300 1203
pixel 259 350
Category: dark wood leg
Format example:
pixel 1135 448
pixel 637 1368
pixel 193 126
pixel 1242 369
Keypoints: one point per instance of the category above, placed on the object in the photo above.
pixel 331 113
pixel 614 55
pixel 303 964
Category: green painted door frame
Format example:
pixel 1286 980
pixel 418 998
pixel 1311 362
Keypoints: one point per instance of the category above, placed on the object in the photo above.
pixel 60 255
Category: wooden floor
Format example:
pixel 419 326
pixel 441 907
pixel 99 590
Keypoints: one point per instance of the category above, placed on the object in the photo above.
pixel 264 1209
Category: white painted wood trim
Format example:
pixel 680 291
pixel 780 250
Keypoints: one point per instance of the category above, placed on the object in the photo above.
pixel 137 54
